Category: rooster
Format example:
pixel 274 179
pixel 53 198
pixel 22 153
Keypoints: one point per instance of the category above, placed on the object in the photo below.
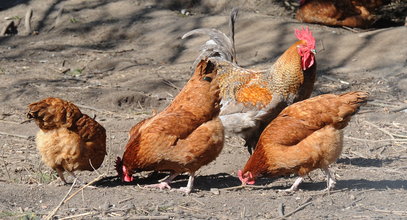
pixel 350 13
pixel 252 98
pixel 68 140
pixel 185 136
pixel 305 136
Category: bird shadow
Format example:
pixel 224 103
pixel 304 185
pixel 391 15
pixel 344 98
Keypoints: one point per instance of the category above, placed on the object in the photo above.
pixel 224 180
pixel 205 183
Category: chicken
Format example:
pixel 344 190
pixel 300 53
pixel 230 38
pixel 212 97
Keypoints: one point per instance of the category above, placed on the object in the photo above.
pixel 305 136
pixel 185 136
pixel 68 140
pixel 252 98
pixel 350 13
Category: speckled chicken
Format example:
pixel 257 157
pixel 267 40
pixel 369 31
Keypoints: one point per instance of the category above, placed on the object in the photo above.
pixel 68 140
pixel 252 98
pixel 305 136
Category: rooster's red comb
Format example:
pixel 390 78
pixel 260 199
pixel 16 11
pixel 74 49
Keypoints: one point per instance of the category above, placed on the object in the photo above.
pixel 306 35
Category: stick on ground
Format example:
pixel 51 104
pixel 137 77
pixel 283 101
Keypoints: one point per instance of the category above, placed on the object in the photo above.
pixel 51 214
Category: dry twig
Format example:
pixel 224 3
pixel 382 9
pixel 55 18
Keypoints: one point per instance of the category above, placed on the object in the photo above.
pixel 90 162
pixel 380 129
pixel 382 140
pixel 16 135
pixel 330 192
pixel 245 186
pixel 170 84
pixel 397 212
pixel 78 215
pixel 125 200
pixel 83 187
pixel 399 109
pixel 12 122
pixel 27 21
pixel 301 207
pixel 335 80
pixel 5 164
pixel 144 217
pixel 243 214
pixel 201 203
pixel 51 214
pixel 281 210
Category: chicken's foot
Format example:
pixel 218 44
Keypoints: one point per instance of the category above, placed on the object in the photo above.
pixel 294 187
pixel 165 184
pixel 330 180
pixel 190 184
pixel 57 182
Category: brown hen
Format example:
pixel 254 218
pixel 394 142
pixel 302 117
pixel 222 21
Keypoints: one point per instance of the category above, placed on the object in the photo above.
pixel 68 140
pixel 185 136
pixel 305 136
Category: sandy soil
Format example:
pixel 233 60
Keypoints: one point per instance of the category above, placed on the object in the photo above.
pixel 120 60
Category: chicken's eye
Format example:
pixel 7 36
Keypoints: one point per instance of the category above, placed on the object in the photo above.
pixel 206 78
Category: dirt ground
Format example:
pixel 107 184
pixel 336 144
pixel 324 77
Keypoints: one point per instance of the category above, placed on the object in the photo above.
pixel 122 59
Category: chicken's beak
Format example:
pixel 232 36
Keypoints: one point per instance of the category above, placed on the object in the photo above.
pixel 29 115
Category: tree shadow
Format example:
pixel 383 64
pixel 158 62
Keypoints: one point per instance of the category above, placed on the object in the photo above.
pixel 364 162
pixel 7 4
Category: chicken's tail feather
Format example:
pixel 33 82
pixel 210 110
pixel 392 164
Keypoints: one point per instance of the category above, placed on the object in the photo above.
pixel 348 106
pixel 219 44
pixel 356 98
pixel 352 100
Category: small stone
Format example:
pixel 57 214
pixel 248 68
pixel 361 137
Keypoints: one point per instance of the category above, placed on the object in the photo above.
pixel 215 191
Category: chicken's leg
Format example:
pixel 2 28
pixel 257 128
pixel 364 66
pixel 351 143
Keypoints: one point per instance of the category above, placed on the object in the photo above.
pixel 165 183
pixel 61 176
pixel 294 187
pixel 190 184
pixel 330 180
pixel 77 179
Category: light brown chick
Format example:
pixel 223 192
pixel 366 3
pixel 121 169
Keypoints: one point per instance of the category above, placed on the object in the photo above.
pixel 185 136
pixel 68 140
pixel 305 136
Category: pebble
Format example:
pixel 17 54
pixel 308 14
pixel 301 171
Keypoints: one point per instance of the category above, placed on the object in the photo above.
pixel 215 191
pixel 185 12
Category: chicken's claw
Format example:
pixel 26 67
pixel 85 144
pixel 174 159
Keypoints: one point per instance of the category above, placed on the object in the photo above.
pixel 185 190
pixel 161 186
